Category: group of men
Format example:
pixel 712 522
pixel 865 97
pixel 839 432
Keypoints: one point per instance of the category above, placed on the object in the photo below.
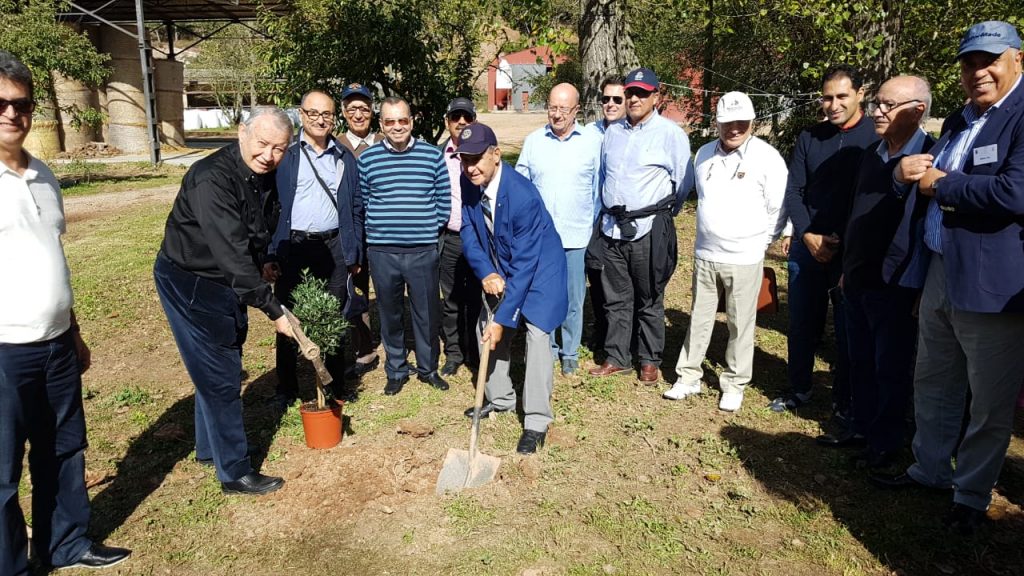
pixel 917 243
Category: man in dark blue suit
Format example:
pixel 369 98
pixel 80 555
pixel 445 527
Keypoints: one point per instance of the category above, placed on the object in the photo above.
pixel 972 307
pixel 510 242
pixel 320 229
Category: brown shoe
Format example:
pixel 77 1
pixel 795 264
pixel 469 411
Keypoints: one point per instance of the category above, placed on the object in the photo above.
pixel 648 373
pixel 607 369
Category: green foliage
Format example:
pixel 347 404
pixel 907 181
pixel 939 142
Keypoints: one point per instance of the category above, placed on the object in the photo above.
pixel 232 64
pixel 320 313
pixel 130 396
pixel 569 71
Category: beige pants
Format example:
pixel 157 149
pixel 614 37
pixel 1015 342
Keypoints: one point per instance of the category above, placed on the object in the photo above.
pixel 739 285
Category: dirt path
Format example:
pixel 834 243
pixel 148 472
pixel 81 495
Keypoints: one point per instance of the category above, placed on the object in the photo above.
pixel 79 208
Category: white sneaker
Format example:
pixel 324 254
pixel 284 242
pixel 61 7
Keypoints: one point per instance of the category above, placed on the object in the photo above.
pixel 679 390
pixel 731 401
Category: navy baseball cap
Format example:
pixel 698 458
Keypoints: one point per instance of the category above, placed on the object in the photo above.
pixel 993 37
pixel 642 78
pixel 463 104
pixel 476 139
pixel 356 89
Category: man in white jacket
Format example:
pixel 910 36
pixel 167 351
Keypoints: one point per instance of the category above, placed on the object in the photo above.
pixel 741 183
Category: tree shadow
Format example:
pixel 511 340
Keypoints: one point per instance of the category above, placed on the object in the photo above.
pixel 902 529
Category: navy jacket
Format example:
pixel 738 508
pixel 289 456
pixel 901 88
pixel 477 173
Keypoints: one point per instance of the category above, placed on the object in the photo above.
pixel 983 215
pixel 350 207
pixel 528 250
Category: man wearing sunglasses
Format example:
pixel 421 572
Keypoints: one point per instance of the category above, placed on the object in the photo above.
pixel 320 229
pixel 407 197
pixel 357 109
pixel 563 160
pixel 42 356
pixel 460 289
pixel 613 104
pixel 647 176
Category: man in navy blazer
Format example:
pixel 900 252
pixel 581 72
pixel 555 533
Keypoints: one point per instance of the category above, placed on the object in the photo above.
pixel 320 228
pixel 511 244
pixel 972 307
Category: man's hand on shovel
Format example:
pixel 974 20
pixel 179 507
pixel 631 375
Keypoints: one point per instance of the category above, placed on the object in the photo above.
pixel 493 333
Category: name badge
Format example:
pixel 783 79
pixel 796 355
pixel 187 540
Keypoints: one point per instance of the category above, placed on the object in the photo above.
pixel 986 155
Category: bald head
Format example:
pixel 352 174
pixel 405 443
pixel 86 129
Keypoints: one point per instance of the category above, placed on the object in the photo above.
pixel 899 108
pixel 563 103
pixel 911 88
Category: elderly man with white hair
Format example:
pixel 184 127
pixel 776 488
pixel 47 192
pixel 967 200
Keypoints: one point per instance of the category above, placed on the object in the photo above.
pixel 741 184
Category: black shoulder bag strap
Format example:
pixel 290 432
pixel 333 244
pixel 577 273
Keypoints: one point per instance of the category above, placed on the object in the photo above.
pixel 323 184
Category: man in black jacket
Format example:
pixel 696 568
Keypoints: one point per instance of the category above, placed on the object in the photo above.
pixel 822 167
pixel 209 269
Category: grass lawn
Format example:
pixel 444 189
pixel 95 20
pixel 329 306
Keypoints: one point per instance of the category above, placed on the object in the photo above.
pixel 628 483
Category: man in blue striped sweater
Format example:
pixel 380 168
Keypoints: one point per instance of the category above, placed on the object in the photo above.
pixel 407 199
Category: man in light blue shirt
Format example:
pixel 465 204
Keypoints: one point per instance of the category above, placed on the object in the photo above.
pixel 646 176
pixel 563 160
pixel 613 104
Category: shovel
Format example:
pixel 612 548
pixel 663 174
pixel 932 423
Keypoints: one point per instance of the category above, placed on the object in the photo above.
pixel 470 469
pixel 311 352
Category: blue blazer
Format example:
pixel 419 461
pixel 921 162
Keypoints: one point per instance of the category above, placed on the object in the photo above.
pixel 350 206
pixel 528 251
pixel 983 215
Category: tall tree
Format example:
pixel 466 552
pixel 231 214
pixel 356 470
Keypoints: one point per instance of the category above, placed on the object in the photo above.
pixel 606 46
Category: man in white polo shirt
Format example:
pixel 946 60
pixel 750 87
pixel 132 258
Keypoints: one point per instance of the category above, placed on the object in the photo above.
pixel 42 356
pixel 741 184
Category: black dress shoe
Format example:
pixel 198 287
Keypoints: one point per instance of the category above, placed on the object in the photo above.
pixel 394 385
pixel 898 482
pixel 435 380
pixel 357 369
pixel 450 368
pixel 485 410
pixel 963 519
pixel 843 440
pixel 530 441
pixel 100 556
pixel 874 460
pixel 253 483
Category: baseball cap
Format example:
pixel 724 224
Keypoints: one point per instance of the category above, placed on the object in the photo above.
pixel 463 104
pixel 476 139
pixel 356 89
pixel 993 37
pixel 642 78
pixel 733 106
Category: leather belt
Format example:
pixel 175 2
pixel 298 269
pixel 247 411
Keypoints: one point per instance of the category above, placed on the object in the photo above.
pixel 300 236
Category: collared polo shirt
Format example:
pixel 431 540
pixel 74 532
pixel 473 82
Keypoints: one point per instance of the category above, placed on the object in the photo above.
pixel 454 175
pixel 35 295
pixel 568 174
pixel 312 210
pixel 739 201
pixel 355 141
pixel 643 164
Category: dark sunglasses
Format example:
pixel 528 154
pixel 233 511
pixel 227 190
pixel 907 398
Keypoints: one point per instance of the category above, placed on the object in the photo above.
pixel 21 105
pixel 457 115
pixel 616 99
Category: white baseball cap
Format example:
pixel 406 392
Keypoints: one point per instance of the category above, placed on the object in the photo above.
pixel 733 106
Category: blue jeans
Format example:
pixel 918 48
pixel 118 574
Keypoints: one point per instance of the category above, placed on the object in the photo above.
pixel 41 402
pixel 811 286
pixel 571 332
pixel 209 325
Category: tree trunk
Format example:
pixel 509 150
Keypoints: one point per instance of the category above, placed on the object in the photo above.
pixel 889 27
pixel 606 47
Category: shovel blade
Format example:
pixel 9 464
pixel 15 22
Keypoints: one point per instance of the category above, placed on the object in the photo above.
pixel 459 472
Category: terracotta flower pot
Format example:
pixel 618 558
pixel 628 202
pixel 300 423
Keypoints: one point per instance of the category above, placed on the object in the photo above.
pixel 321 426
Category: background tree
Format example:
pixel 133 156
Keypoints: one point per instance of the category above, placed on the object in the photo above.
pixel 231 63
pixel 606 46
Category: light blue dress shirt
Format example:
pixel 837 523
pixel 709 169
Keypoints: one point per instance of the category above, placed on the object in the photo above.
pixel 312 211
pixel 567 173
pixel 643 164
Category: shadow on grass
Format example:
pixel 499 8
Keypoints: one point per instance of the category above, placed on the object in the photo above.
pixel 152 455
pixel 902 529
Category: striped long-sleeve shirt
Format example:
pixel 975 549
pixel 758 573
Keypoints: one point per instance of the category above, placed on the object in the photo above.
pixel 407 195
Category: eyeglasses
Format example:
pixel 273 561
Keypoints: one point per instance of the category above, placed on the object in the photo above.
pixel 616 99
pixel 638 92
pixel 315 115
pixel 886 107
pixel 400 121
pixel 457 115
pixel 21 106
pixel 353 110
pixel 560 109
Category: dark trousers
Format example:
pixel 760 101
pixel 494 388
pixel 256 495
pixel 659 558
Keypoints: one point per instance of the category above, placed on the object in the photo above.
pixel 41 402
pixel 393 273
pixel 812 285
pixel 209 325
pixel 363 340
pixel 600 330
pixel 320 257
pixel 460 302
pixel 882 334
pixel 633 280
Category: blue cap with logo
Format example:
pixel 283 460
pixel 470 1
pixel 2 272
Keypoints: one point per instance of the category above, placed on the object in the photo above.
pixel 356 89
pixel 476 139
pixel 643 78
pixel 993 37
